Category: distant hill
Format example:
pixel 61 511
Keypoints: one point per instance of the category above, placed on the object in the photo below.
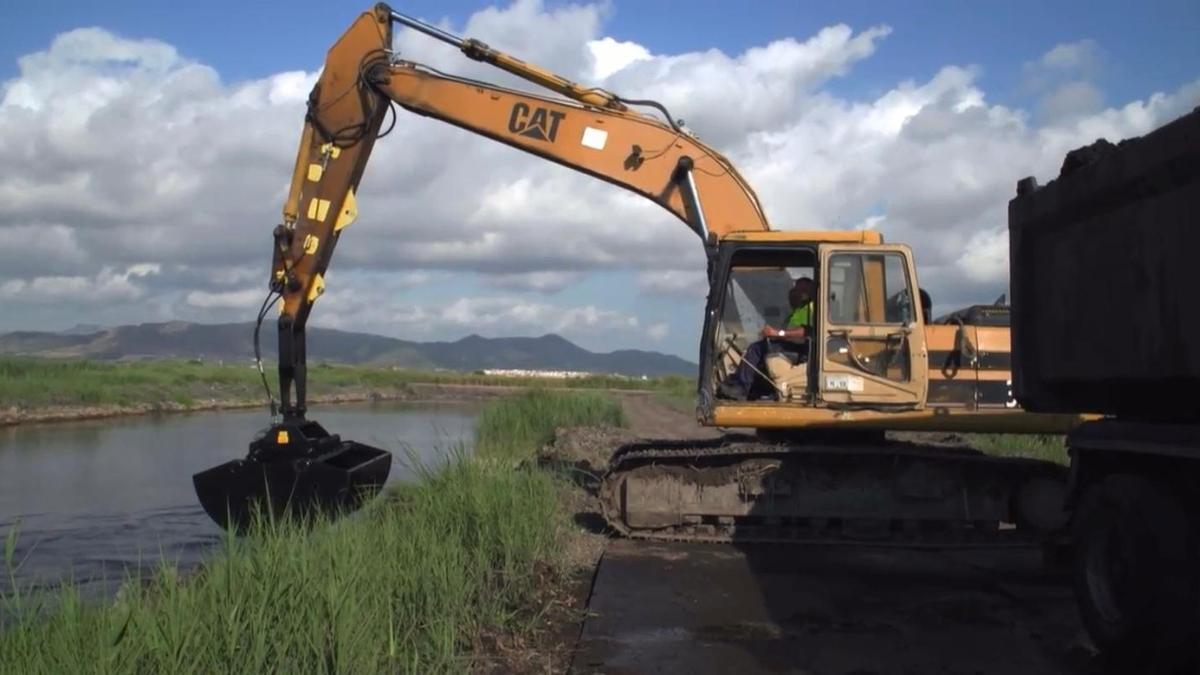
pixel 82 329
pixel 232 342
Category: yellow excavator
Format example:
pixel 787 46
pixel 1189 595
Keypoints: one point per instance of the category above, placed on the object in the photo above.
pixel 866 360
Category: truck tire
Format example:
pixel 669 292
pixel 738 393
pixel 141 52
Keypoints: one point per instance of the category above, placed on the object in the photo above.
pixel 1135 573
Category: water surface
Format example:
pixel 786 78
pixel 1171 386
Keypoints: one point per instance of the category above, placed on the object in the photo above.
pixel 93 498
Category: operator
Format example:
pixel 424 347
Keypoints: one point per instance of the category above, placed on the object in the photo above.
pixel 738 385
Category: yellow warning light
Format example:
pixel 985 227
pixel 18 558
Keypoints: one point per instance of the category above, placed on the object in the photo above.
pixel 282 437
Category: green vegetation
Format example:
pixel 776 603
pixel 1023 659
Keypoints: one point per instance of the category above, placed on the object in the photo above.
pixel 514 428
pixel 410 584
pixel 39 383
pixel 677 392
pixel 1034 446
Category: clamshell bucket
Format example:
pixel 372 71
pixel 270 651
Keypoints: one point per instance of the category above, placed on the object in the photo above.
pixel 294 469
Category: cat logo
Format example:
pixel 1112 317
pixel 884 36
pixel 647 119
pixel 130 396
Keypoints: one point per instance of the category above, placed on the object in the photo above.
pixel 540 124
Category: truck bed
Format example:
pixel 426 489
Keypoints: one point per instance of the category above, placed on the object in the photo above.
pixel 1105 279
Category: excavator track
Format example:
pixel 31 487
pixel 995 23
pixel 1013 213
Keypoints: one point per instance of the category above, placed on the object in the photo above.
pixel 738 489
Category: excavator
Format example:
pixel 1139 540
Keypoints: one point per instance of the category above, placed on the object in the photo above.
pixel 817 468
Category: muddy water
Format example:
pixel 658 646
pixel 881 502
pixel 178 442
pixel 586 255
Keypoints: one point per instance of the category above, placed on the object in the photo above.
pixel 97 499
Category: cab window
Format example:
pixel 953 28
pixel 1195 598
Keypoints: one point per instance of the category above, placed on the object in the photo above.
pixel 868 288
pixel 756 292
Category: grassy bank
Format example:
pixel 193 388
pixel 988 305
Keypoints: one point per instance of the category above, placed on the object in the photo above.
pixel 510 431
pixel 41 383
pixel 410 584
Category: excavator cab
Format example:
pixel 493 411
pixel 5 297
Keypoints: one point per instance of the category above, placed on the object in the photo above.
pixel 754 294
pixel 865 344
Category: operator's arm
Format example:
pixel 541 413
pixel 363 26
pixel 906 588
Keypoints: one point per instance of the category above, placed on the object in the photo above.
pixel 794 333
pixel 797 324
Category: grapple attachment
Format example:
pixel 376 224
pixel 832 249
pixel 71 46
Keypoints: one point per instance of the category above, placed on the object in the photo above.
pixel 294 469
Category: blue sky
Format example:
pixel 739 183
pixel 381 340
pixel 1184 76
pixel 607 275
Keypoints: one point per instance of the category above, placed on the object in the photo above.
pixel 1043 78
pixel 1147 46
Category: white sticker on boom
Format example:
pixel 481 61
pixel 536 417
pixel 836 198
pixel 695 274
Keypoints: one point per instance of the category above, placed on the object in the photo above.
pixel 594 138
pixel 851 383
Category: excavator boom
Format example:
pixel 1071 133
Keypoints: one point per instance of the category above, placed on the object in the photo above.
pixel 590 131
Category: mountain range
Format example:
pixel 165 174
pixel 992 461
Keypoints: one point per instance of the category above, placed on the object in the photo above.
pixel 233 342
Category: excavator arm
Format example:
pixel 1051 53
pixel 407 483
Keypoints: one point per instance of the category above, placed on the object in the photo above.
pixel 587 129
pixel 592 131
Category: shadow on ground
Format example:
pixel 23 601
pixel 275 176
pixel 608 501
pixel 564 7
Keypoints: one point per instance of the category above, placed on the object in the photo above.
pixel 696 608
pixel 815 610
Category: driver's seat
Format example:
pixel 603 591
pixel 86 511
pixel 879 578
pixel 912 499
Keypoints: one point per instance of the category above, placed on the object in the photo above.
pixel 790 378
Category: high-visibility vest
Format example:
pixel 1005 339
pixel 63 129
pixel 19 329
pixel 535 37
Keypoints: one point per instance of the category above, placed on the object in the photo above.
pixel 800 316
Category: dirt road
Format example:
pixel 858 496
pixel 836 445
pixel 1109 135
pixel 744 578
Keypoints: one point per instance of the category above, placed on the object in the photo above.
pixel 650 417
pixel 688 608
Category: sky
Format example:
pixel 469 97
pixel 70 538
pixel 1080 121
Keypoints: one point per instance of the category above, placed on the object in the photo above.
pixel 147 148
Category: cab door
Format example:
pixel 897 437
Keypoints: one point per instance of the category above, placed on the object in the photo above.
pixel 871 334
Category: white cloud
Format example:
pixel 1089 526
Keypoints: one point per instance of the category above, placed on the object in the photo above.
pixel 870 223
pixel 1063 81
pixel 610 56
pixel 658 332
pixel 245 300
pixel 490 316
pixel 723 98
pixel 108 285
pixel 508 314
pixel 542 282
pixel 122 152
pixel 29 250
pixel 1070 100
pixel 1071 56
pixel 985 257
pixel 688 283
pixel 143 269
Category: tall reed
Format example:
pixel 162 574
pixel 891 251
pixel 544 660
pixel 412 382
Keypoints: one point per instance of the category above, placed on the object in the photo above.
pixel 405 585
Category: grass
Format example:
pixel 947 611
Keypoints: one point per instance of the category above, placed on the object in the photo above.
pixel 40 383
pixel 31 383
pixel 1046 447
pixel 520 425
pixel 407 585
pixel 678 392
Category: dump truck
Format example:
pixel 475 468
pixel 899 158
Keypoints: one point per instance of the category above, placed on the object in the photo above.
pixel 1105 321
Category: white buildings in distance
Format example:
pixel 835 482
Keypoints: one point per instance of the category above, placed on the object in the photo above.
pixel 551 374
